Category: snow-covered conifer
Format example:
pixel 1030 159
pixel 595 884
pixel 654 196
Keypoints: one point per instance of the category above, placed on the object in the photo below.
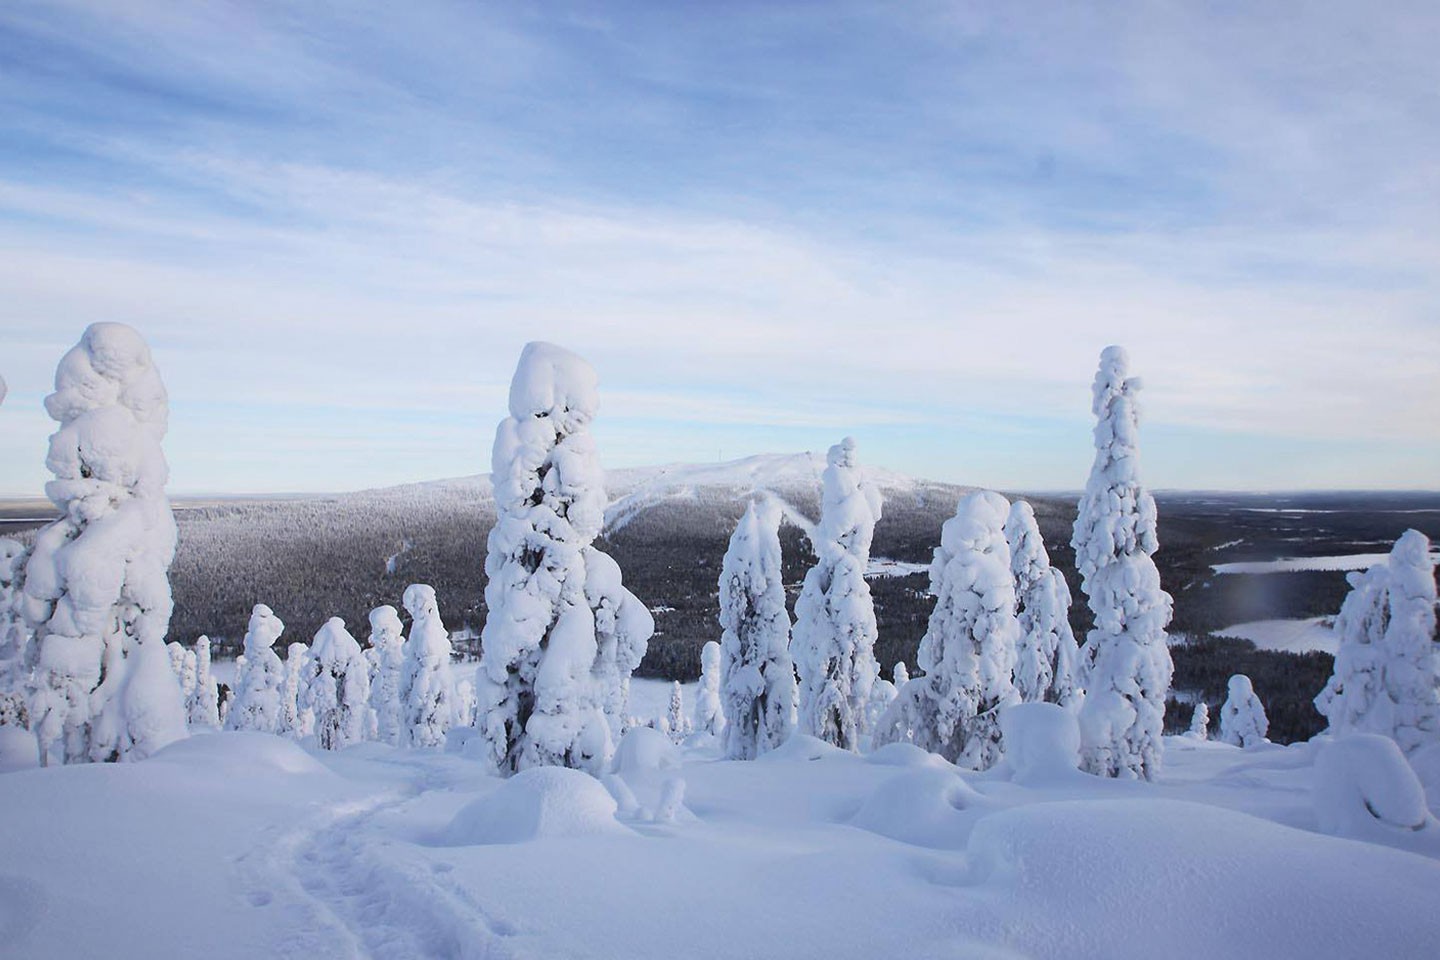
pixel 1242 718
pixel 757 677
pixel 900 674
pixel 709 716
pixel 1387 672
pixel 1127 664
pixel 203 705
pixel 289 724
pixel 968 651
pixel 386 654
pixel 1200 722
pixel 676 720
pixel 835 631
pixel 427 689
pixel 563 634
pixel 1046 656
pixel 337 686
pixel 14 672
pixel 97 591
pixel 177 663
pixel 255 703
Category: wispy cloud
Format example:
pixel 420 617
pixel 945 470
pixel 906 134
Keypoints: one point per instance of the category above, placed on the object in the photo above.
pixel 765 227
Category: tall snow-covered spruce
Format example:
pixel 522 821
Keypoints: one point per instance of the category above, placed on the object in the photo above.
pixel 14 637
pixel 427 689
pixel 757 676
pixel 203 706
pixel 1126 659
pixel 709 715
pixel 1387 667
pixel 1046 657
pixel 337 686
pixel 968 651
pixel 259 682
pixel 563 634
pixel 97 588
pixel 386 654
pixel 835 631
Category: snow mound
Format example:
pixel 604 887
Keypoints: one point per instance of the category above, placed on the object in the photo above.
pixel 1364 788
pixel 18 749
pixel 803 747
pixel 1426 764
pixel 645 750
pixel 907 755
pixel 1042 743
pixel 535 804
pixel 242 754
pixel 1211 879
pixel 924 807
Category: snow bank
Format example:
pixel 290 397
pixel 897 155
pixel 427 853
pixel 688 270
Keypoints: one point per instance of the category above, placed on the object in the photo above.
pixel 1155 878
pixel 1042 743
pixel 1365 789
pixel 927 807
pixel 536 804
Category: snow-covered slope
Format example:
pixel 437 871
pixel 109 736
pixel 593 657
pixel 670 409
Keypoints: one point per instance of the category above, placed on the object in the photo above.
pixel 250 846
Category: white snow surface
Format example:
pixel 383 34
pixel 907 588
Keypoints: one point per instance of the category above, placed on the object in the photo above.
pixel 385 852
pixel 1286 636
pixel 1347 561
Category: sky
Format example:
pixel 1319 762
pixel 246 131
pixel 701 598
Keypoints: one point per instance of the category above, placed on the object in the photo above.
pixel 767 224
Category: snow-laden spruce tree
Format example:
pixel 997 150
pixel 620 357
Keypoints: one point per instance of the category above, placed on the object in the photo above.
pixel 297 662
pixel 427 688
pixel 1387 676
pixel 97 589
pixel 709 716
pixel 337 687
pixel 177 663
pixel 1126 659
pixel 1046 656
pixel 968 651
pixel 255 703
pixel 1242 718
pixel 1200 722
pixel 757 677
pixel 203 705
pixel 563 634
pixel 834 638
pixel 386 655
pixel 675 718
pixel 900 674
pixel 14 673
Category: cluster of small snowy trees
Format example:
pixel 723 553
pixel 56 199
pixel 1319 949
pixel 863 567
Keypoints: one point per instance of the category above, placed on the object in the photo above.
pixel 1387 666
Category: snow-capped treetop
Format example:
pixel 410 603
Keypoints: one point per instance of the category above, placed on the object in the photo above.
pixel 1029 560
pixel 1242 719
pixel 553 382
pixel 333 644
pixel 1200 722
pixel 264 629
pixel 419 600
pixel 900 673
pixel 850 507
pixel 385 625
pixel 1412 665
pixel 1116 515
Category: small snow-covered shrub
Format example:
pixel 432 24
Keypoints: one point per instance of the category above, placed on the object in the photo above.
pixel 203 705
pixel 1199 722
pixel 1242 718
pixel 1365 789
pixel 709 718
pixel 535 804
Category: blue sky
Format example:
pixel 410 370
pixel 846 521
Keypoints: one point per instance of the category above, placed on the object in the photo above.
pixel 768 225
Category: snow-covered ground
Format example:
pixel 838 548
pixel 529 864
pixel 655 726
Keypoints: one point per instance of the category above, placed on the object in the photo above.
pixel 1349 561
pixel 246 845
pixel 1286 636
pixel 885 567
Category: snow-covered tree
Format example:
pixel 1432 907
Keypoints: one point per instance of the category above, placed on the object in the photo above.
pixel 900 674
pixel 563 634
pixel 835 631
pixel 427 689
pixel 290 724
pixel 337 686
pixel 97 590
pixel 14 672
pixel 709 715
pixel 675 718
pixel 255 703
pixel 177 663
pixel 757 677
pixel 1126 658
pixel 386 654
pixel 202 707
pixel 968 651
pixel 1046 656
pixel 1200 722
pixel 1242 718
pixel 1387 671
